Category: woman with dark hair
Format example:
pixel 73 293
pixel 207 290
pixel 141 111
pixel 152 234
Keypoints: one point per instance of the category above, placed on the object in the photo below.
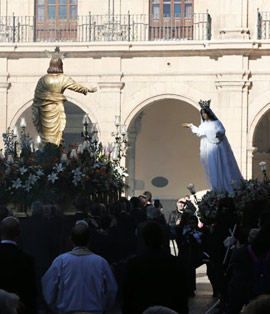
pixel 48 106
pixel 216 155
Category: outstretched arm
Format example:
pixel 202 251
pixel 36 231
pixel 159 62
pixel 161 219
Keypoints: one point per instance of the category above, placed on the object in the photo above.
pixel 194 129
pixel 72 85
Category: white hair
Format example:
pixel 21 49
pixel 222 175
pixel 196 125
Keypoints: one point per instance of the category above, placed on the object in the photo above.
pixel 81 222
pixel 159 310
pixel 8 302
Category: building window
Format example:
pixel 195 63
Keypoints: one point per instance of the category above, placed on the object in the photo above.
pixel 171 19
pixel 56 20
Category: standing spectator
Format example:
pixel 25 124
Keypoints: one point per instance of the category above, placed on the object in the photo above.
pixel 175 215
pixel 79 281
pixel 137 212
pixel 148 196
pixel 148 206
pixel 38 241
pixel 17 272
pixel 189 246
pixel 148 278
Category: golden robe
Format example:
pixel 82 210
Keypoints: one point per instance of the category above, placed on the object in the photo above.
pixel 48 106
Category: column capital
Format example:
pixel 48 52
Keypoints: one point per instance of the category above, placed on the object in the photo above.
pixel 107 86
pixel 252 150
pixel 4 86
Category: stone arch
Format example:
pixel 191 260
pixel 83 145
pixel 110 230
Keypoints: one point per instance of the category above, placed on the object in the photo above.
pixel 256 120
pixel 133 120
pixel 26 105
pixel 258 108
pixel 159 91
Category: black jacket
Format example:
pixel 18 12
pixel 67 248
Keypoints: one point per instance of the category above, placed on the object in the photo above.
pixel 173 217
pixel 155 278
pixel 17 275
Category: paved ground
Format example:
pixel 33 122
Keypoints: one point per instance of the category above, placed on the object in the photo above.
pixel 203 299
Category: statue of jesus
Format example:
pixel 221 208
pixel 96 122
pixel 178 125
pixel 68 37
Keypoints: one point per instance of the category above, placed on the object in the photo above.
pixel 48 105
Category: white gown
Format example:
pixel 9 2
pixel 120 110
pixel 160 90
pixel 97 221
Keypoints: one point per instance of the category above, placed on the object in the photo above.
pixel 216 155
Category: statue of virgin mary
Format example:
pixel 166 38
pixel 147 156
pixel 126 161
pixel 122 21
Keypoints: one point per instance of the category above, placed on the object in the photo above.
pixel 216 155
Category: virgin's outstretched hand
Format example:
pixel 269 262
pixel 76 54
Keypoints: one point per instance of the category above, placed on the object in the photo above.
pixel 186 125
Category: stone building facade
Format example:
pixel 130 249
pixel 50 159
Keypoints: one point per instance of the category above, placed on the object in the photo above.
pixel 152 61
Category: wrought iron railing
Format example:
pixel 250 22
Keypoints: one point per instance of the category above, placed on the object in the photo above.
pixel 88 28
pixel 263 25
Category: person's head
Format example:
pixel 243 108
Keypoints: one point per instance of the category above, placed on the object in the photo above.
pixel 157 203
pixel 181 203
pixel 37 209
pixel 261 243
pixel 252 235
pixel 125 204
pixel 80 234
pixel 9 302
pixel 143 201
pixel 207 114
pixel 152 234
pixel 148 196
pixel 10 229
pixel 3 212
pixel 105 222
pixel 261 305
pixel 135 202
pixel 56 66
pixel 159 310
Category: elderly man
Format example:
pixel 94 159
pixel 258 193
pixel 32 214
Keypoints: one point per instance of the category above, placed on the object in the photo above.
pixel 79 281
pixel 17 271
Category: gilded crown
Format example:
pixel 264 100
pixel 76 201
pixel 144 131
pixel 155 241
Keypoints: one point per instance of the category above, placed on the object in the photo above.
pixel 205 103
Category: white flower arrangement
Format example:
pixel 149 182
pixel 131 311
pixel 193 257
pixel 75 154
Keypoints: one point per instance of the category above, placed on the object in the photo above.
pixel 22 170
pixel 17 184
pixel 53 177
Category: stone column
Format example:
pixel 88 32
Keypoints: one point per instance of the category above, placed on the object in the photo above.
pixel 233 96
pixel 110 101
pixel 4 86
pixel 131 156
pixel 250 154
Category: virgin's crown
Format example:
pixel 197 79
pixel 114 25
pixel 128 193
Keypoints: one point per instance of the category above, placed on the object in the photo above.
pixel 205 103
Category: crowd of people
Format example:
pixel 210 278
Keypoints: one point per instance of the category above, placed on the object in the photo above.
pixel 128 252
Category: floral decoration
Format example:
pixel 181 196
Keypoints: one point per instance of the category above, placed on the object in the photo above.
pixel 51 176
pixel 247 191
